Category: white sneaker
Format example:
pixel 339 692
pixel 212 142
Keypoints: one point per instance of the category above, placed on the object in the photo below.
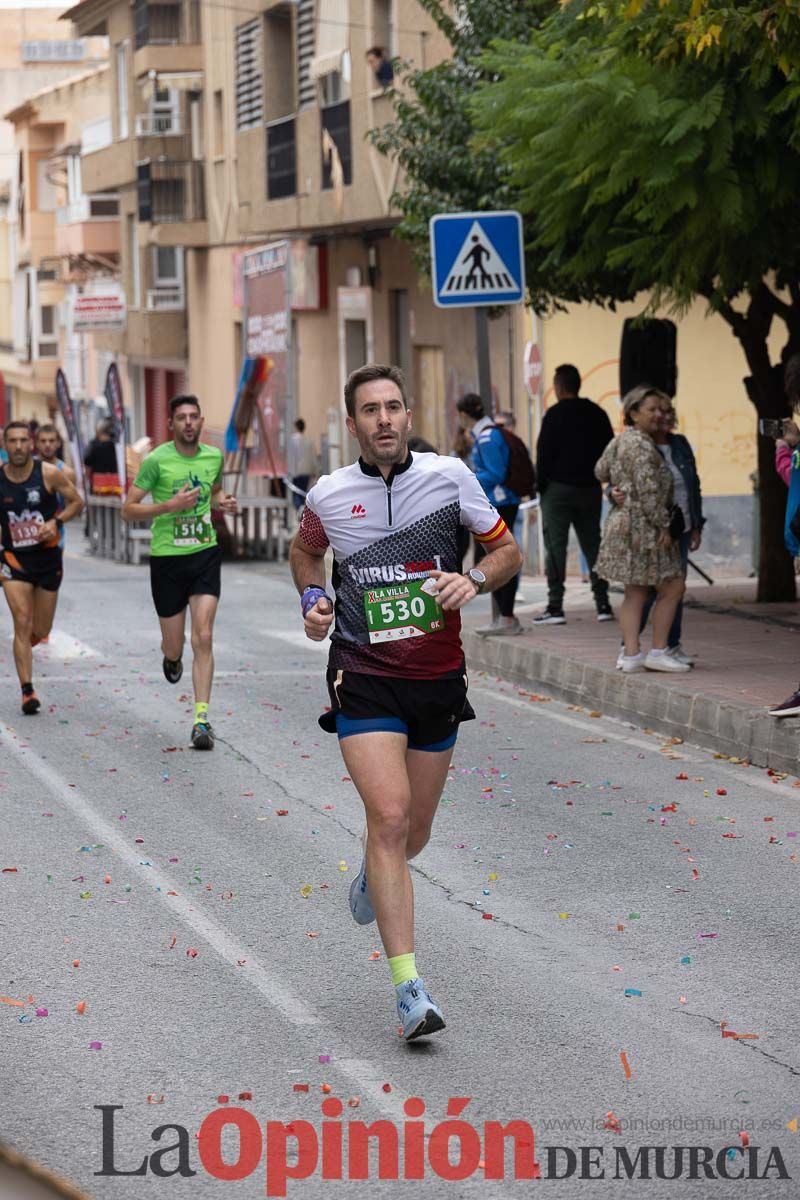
pixel 678 653
pixel 634 662
pixel 620 658
pixel 664 662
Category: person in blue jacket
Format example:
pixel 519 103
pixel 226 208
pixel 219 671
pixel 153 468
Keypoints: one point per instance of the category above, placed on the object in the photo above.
pixel 490 457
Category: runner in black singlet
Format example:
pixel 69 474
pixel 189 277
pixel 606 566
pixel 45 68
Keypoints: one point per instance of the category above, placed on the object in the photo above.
pixel 30 558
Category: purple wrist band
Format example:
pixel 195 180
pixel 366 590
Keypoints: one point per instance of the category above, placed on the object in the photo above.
pixel 311 596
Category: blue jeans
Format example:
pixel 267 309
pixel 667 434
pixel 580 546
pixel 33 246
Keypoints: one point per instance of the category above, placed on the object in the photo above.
pixel 674 637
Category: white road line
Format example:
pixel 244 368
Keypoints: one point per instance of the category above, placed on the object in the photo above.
pixel 362 1074
pixel 63 645
pixel 296 638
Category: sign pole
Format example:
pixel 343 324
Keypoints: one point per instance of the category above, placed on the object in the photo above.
pixel 484 361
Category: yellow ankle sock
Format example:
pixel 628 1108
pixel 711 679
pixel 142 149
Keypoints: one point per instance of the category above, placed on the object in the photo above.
pixel 403 968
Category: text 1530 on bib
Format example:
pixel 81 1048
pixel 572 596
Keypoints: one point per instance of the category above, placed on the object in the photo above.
pixel 191 531
pixel 401 611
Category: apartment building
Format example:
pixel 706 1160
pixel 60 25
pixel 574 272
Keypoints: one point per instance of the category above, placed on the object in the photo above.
pixel 238 127
pixel 64 245
pixel 37 49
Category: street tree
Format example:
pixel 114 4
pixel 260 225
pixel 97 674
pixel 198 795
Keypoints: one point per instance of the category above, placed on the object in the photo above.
pixel 654 147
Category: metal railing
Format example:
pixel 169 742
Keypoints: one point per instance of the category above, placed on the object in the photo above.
pixel 156 124
pixel 176 24
pixel 171 191
pixel 166 299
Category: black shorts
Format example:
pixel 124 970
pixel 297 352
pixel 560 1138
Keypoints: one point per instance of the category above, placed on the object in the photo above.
pixel 428 711
pixel 44 568
pixel 176 577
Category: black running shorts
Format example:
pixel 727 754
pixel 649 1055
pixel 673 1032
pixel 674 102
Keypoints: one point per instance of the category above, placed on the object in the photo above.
pixel 41 568
pixel 428 711
pixel 176 577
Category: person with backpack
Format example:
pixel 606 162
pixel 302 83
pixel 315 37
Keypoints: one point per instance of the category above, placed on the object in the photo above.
pixel 505 472
pixel 573 436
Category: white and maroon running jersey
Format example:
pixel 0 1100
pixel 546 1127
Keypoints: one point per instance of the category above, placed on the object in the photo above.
pixel 392 532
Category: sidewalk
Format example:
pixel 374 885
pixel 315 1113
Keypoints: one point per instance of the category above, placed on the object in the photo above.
pixel 747 659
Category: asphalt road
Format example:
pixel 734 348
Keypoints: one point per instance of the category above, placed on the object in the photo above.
pixel 179 881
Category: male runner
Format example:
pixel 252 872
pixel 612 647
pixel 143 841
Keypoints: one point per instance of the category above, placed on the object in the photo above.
pixel 47 441
pixel 396 671
pixel 184 477
pixel 31 561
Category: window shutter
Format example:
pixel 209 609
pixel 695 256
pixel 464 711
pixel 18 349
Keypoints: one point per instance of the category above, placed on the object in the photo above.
pixel 249 80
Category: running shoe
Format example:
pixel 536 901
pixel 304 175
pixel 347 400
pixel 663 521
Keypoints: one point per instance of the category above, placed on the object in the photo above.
pixel 30 703
pixel 360 904
pixel 664 662
pixel 550 616
pixel 419 1014
pixel 202 736
pixel 501 627
pixel 173 669
pixel 605 612
pixel 632 663
pixel 680 654
pixel 789 708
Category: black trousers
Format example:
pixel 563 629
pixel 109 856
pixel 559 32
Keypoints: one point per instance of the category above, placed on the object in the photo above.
pixel 505 595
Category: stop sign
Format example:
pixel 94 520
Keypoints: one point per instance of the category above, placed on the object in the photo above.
pixel 532 369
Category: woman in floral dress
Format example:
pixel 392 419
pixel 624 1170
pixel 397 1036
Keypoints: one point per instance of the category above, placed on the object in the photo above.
pixel 637 548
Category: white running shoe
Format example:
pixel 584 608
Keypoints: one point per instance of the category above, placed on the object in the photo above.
pixel 620 658
pixel 631 663
pixel 680 654
pixel 501 627
pixel 664 662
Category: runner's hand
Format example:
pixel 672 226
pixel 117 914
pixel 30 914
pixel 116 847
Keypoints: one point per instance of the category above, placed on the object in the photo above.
pixel 453 590
pixel 228 504
pixel 318 620
pixel 47 532
pixel 185 499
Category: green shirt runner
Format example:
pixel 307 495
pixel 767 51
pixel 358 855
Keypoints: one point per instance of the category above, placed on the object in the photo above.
pixel 163 473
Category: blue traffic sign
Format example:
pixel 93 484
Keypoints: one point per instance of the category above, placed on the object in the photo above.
pixel 477 259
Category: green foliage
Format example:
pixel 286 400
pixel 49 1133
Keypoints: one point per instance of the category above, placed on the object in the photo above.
pixel 639 165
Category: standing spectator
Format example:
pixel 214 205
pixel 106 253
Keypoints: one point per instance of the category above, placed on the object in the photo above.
pixel 638 548
pixel 674 448
pixel 787 464
pixel 3 454
pixel 490 456
pixel 508 421
pixel 381 66
pixel 301 462
pixel 574 434
pixel 100 461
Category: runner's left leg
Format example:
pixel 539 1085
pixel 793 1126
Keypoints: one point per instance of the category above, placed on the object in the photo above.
pixel 427 775
pixel 173 633
pixel 44 611
pixel 204 610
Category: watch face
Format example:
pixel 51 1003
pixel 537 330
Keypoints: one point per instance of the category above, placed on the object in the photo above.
pixel 477 575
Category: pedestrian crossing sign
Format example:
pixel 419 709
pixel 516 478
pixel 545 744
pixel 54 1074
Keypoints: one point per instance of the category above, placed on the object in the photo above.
pixel 477 259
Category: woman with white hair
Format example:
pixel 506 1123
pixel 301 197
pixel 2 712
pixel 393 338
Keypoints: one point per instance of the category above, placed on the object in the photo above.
pixel 637 548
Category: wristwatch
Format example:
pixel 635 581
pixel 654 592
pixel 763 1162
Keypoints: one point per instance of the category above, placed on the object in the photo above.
pixel 478 578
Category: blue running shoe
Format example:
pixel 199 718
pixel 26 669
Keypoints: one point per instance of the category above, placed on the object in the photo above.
pixel 419 1014
pixel 360 903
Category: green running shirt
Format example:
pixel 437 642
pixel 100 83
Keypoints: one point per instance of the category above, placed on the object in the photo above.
pixel 162 474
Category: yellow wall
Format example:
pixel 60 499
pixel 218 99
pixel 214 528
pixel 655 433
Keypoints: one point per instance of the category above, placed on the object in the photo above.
pixel 715 413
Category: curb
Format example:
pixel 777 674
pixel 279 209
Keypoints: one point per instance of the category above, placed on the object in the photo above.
pixel 718 725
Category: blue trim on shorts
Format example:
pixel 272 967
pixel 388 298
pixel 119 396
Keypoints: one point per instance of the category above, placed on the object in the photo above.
pixel 445 744
pixel 347 726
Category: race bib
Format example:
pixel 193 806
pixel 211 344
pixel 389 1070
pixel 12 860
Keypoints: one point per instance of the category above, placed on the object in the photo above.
pixel 191 531
pixel 25 529
pixel 402 610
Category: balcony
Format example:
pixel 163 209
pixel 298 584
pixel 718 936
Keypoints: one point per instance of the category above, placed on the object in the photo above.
pixel 158 124
pixel 167 37
pixel 89 226
pixel 172 194
pixel 166 299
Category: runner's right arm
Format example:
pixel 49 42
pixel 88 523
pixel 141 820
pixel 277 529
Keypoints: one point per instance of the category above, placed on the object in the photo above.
pixel 134 510
pixel 307 562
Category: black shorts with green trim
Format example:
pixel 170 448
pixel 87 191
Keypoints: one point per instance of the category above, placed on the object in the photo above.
pixel 427 711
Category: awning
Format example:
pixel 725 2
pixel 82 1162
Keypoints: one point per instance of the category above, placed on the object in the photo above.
pixel 332 39
pixel 179 81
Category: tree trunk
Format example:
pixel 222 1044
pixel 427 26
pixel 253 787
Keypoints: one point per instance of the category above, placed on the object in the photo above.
pixel 776 578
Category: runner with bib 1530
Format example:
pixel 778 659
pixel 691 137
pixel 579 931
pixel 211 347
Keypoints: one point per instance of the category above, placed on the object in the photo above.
pixel 184 477
pixel 31 563
pixel 396 673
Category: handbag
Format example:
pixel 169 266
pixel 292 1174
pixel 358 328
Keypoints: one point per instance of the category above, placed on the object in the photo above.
pixel 677 525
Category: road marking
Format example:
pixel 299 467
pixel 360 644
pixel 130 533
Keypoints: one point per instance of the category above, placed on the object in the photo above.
pixel 296 638
pixel 361 1073
pixel 64 645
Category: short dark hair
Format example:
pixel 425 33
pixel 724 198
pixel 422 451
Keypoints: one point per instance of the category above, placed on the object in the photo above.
pixel 17 425
pixel 368 374
pixel 300 425
pixel 569 377
pixel 472 406
pixel 177 401
pixel 377 50
pixel 47 429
